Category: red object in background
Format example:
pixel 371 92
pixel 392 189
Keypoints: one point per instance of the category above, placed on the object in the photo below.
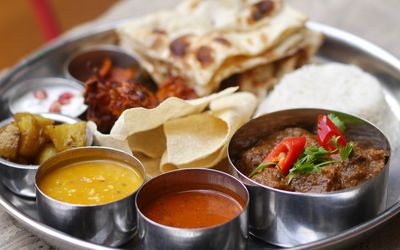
pixel 46 19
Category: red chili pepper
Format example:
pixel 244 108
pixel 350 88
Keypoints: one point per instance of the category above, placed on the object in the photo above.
pixel 286 153
pixel 326 131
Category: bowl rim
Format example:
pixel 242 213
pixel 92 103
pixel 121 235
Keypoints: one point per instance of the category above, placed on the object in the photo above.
pixel 18 90
pixel 99 47
pixel 139 167
pixel 213 171
pixel 301 194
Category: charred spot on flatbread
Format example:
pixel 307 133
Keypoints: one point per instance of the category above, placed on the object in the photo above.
pixel 179 47
pixel 222 41
pixel 159 31
pixel 260 10
pixel 204 55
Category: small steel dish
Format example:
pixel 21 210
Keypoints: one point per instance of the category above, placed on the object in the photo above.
pixel 20 178
pixel 110 224
pixel 81 65
pixel 290 219
pixel 230 235
pixel 23 94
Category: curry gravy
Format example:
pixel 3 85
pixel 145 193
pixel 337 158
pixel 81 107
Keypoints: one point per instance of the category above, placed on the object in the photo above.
pixel 91 182
pixel 193 208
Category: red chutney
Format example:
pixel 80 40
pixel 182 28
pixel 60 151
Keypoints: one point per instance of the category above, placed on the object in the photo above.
pixel 193 209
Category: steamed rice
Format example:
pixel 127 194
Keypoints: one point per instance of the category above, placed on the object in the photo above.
pixel 338 87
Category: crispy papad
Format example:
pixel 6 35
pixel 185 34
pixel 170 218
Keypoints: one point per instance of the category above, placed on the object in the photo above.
pixel 179 133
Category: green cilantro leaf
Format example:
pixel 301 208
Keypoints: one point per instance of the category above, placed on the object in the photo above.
pixel 338 123
pixel 305 167
pixel 260 167
pixel 346 151
pixel 312 159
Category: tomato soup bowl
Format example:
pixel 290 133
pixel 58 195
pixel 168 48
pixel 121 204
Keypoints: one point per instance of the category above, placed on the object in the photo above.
pixel 154 234
pixel 110 223
pixel 20 178
pixel 290 219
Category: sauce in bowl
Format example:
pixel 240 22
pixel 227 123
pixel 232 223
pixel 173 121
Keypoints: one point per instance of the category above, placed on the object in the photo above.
pixel 193 208
pixel 91 182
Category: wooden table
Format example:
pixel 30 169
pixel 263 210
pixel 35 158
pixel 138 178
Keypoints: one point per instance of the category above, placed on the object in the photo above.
pixel 376 21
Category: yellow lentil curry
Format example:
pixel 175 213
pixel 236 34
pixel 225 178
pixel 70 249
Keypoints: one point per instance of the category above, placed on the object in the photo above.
pixel 91 182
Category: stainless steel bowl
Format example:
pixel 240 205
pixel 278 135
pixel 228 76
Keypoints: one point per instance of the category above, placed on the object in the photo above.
pixel 21 98
pixel 152 235
pixel 289 219
pixel 110 224
pixel 20 178
pixel 81 65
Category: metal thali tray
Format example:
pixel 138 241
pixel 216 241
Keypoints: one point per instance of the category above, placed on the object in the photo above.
pixel 339 46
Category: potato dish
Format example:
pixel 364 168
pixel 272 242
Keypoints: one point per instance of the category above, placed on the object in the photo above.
pixel 32 139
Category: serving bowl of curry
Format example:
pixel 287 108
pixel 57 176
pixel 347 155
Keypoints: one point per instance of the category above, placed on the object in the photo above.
pixel 89 192
pixel 303 166
pixel 193 208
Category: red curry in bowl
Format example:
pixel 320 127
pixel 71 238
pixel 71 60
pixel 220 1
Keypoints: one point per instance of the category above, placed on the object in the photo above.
pixel 295 159
pixel 197 208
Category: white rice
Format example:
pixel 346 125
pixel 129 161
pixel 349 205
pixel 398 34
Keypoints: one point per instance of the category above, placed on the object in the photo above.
pixel 338 87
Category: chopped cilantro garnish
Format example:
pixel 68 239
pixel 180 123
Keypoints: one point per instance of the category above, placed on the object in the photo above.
pixel 312 159
pixel 260 167
pixel 343 151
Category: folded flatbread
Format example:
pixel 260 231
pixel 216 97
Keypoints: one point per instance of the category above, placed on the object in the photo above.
pixel 207 41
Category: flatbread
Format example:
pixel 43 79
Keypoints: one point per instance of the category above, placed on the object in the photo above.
pixel 207 41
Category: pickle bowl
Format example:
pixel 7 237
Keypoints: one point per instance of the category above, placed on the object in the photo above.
pixel 289 219
pixel 110 223
pixel 152 234
pixel 20 178
pixel 84 63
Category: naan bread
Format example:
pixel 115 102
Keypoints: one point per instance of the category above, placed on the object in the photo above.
pixel 262 78
pixel 207 41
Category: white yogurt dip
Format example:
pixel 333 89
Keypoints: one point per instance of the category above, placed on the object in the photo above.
pixel 28 102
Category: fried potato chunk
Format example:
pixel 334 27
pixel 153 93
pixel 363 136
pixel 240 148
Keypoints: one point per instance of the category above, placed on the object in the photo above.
pixel 9 138
pixel 32 139
pixel 29 128
pixel 67 136
pixel 47 151
pixel 42 120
